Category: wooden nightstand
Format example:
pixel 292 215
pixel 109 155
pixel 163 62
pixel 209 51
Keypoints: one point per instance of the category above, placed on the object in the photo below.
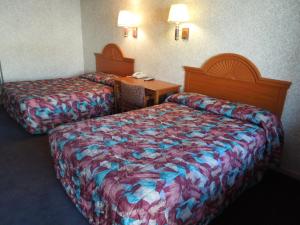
pixel 156 88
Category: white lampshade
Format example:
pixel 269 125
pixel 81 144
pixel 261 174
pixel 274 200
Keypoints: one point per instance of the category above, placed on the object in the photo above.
pixel 178 13
pixel 127 19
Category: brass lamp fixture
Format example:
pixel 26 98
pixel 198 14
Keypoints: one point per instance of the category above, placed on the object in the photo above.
pixel 128 21
pixel 179 14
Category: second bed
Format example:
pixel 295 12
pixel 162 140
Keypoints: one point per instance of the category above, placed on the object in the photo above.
pixel 41 105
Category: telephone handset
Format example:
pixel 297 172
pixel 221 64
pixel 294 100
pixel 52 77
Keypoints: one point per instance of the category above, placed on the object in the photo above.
pixel 139 75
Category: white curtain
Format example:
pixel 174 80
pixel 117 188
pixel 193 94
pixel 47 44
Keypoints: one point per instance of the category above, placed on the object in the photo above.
pixel 1 83
pixel 1 76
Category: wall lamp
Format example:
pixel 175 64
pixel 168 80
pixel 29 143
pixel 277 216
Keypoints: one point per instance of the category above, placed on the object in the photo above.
pixel 128 21
pixel 179 14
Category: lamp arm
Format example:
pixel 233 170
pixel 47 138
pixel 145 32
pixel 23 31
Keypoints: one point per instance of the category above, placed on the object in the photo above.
pixel 177 32
pixel 125 31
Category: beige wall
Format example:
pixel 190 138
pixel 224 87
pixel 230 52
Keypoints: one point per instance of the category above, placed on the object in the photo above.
pixel 265 31
pixel 40 38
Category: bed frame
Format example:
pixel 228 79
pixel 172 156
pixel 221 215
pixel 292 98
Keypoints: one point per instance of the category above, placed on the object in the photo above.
pixel 235 78
pixel 111 60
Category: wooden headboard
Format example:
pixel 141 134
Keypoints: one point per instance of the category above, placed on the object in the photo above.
pixel 235 78
pixel 111 60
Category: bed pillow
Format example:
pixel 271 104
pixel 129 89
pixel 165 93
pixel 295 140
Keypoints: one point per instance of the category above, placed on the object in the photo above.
pixel 261 117
pixel 100 77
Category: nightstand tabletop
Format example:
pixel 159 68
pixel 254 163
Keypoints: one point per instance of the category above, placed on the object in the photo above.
pixel 154 85
pixel 158 87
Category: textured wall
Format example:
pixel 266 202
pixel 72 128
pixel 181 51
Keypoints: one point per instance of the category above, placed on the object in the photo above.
pixel 265 31
pixel 40 38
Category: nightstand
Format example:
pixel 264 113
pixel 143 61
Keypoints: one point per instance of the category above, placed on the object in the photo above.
pixel 156 88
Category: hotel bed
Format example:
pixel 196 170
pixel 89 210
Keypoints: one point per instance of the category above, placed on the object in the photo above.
pixel 180 162
pixel 43 104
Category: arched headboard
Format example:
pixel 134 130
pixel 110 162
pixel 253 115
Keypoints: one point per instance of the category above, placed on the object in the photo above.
pixel 235 78
pixel 111 60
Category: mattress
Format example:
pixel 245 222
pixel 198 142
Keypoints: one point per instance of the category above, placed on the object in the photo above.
pixel 43 104
pixel 180 162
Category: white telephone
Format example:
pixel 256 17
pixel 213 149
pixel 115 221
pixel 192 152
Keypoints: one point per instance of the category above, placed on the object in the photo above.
pixel 139 75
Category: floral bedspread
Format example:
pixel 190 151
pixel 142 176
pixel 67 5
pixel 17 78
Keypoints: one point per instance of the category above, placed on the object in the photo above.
pixel 180 162
pixel 43 104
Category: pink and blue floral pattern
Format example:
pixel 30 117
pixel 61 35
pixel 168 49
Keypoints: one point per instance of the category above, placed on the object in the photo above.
pixel 180 162
pixel 43 104
pixel 263 118
pixel 100 77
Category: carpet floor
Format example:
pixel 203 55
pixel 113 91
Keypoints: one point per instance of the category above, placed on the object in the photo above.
pixel 30 194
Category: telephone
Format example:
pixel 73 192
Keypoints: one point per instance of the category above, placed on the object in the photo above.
pixel 139 75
